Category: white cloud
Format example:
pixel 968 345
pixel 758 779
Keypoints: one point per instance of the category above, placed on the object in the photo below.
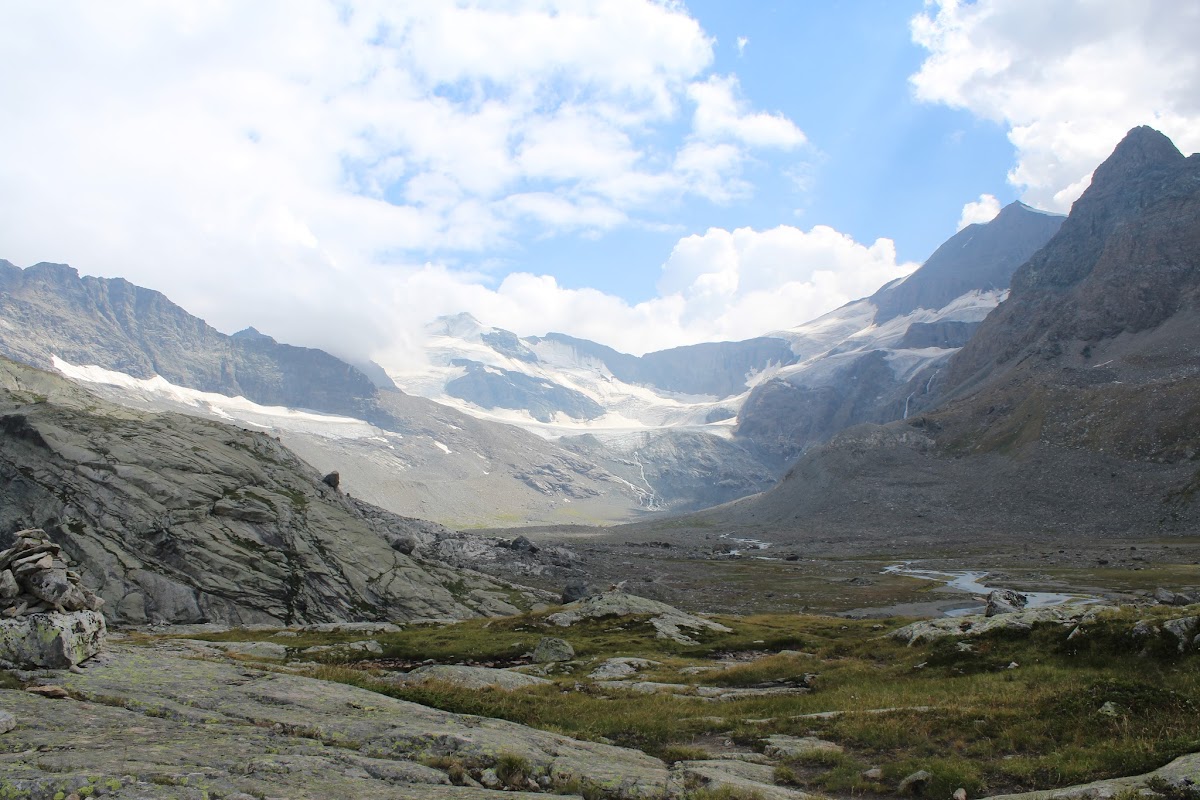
pixel 721 114
pixel 722 285
pixel 979 211
pixel 317 169
pixel 260 162
pixel 1068 78
pixel 742 41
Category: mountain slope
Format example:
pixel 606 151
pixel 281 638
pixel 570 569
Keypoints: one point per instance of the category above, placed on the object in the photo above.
pixel 875 360
pixel 1075 408
pixel 49 310
pixel 181 519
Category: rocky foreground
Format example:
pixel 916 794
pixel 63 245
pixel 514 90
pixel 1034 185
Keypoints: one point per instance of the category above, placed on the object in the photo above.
pixel 249 714
pixel 157 722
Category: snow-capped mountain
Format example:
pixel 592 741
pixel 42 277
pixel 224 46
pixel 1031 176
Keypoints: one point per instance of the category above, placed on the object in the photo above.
pixel 557 385
pixel 878 359
pixel 616 435
pixel 777 394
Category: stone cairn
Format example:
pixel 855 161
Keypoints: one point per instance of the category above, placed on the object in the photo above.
pixel 35 578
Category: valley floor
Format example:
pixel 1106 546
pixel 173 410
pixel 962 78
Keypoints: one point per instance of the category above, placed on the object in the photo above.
pixel 742 571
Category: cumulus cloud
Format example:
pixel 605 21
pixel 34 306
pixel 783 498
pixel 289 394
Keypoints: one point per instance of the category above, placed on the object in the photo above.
pixel 721 285
pixel 982 210
pixel 1067 78
pixel 721 114
pixel 324 170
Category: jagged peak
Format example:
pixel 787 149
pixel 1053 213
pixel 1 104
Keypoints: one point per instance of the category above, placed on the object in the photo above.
pixel 460 326
pixel 1142 148
pixel 51 268
pixel 252 334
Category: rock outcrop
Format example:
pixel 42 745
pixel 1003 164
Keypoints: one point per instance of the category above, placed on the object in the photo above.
pixel 153 722
pixel 178 519
pixel 1004 601
pixel 668 621
pixel 470 677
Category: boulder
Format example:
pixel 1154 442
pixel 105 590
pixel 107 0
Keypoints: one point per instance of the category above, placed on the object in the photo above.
pixel 552 648
pixel 666 620
pixel 522 544
pixel 915 783
pixel 1168 598
pixel 8 585
pixel 7 722
pixel 575 589
pixel 52 640
pixel 1004 601
pixel 1182 629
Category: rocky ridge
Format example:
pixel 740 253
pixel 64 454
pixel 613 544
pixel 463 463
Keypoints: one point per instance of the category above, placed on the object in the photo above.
pixel 877 359
pixel 49 310
pixel 180 519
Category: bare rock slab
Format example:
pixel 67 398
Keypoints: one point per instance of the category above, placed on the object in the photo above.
pixel 798 747
pixel 471 677
pixel 52 640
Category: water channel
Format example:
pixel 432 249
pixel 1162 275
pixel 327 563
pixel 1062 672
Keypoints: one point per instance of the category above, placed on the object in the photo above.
pixel 971 582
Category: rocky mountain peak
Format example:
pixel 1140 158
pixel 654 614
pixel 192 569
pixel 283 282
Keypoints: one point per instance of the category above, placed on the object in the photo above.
pixel 459 326
pixel 1123 263
pixel 979 257
pixel 252 334
pixel 49 271
pixel 1142 149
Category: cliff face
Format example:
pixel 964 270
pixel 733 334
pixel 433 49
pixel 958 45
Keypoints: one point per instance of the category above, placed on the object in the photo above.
pixel 1124 262
pixel 1097 345
pixel 49 310
pixel 181 519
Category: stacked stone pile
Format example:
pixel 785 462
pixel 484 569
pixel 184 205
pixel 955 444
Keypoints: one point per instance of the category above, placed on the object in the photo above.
pixel 47 617
pixel 35 578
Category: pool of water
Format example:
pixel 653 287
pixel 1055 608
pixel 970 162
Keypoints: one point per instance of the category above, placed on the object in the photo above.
pixel 971 582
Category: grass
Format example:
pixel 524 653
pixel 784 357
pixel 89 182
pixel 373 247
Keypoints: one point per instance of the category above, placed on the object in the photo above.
pixel 962 714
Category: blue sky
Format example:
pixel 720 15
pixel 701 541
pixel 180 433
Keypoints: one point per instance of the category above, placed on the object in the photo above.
pixel 880 164
pixel 644 173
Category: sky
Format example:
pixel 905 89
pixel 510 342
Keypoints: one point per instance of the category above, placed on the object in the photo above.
pixel 644 174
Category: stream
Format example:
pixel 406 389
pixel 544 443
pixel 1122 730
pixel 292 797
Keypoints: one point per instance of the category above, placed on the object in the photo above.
pixel 971 583
pixel 747 544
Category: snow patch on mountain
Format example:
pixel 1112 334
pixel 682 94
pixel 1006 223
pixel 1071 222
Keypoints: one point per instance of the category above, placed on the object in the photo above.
pixel 236 409
pixel 454 344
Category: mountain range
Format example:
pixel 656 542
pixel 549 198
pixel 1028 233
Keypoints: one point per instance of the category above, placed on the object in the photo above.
pixel 497 429
pixel 551 429
pixel 1065 406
